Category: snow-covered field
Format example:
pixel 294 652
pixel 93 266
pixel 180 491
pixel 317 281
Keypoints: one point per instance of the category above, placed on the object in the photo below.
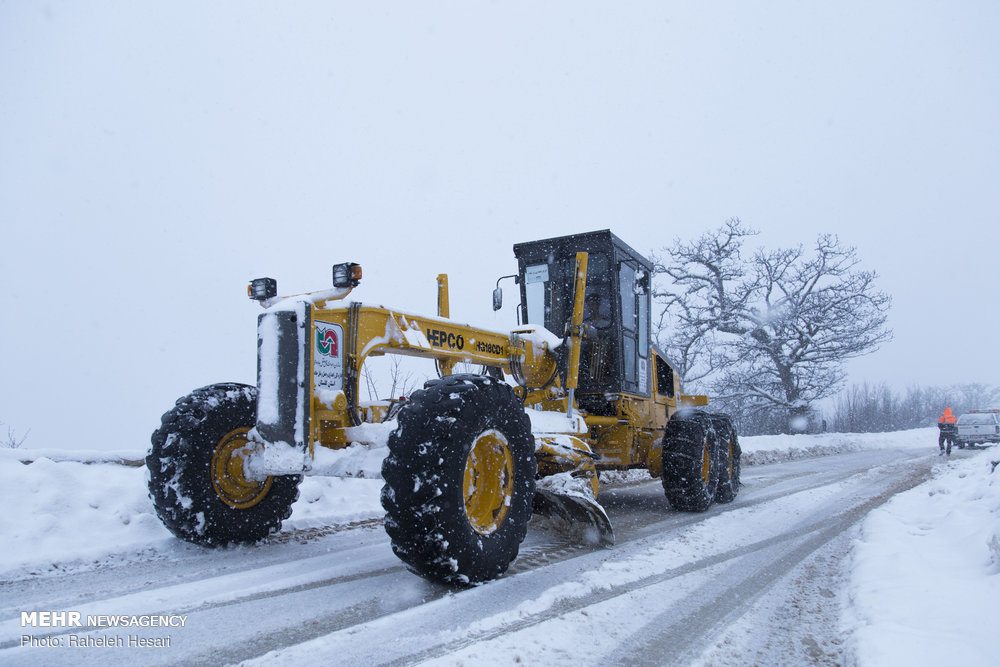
pixel 924 584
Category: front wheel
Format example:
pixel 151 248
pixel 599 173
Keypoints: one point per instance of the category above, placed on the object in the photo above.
pixel 196 479
pixel 459 479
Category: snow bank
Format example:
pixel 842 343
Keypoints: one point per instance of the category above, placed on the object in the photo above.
pixel 763 449
pixel 59 513
pixel 925 582
pixel 128 457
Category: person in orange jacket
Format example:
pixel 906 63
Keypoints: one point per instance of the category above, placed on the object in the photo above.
pixel 947 430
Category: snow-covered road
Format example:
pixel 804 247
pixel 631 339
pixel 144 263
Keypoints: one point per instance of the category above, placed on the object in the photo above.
pixel 762 580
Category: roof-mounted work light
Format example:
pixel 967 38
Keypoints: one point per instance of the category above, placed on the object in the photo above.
pixel 347 274
pixel 262 289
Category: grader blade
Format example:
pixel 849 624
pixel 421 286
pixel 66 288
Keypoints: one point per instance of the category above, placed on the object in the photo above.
pixel 568 499
pixel 576 513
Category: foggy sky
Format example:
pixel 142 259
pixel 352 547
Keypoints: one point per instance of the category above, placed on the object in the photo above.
pixel 156 156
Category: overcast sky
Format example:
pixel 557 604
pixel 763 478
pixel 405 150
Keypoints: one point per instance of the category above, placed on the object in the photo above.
pixel 155 156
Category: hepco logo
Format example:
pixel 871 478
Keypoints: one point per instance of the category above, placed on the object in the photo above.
pixel 326 343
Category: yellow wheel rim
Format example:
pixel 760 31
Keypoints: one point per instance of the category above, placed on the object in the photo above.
pixel 488 482
pixel 730 463
pixel 228 478
pixel 706 462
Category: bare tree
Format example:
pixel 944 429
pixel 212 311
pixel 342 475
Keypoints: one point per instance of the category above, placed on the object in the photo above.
pixel 866 409
pixel 687 325
pixel 12 441
pixel 392 377
pixel 977 395
pixel 770 331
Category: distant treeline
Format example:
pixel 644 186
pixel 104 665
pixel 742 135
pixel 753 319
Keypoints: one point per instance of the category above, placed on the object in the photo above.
pixel 876 409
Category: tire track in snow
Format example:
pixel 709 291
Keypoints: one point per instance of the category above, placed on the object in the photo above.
pixel 712 608
pixel 493 616
pixel 767 561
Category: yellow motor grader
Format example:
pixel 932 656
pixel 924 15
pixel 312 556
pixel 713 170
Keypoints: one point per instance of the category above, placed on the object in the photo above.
pixel 576 388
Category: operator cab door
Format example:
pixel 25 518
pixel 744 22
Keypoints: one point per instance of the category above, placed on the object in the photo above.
pixel 548 301
pixel 633 300
pixel 615 355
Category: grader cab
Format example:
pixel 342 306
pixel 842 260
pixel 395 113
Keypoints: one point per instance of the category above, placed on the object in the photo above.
pixel 574 389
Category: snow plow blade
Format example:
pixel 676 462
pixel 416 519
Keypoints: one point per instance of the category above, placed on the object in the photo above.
pixel 576 513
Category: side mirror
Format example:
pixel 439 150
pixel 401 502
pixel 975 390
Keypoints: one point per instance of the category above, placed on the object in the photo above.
pixel 498 292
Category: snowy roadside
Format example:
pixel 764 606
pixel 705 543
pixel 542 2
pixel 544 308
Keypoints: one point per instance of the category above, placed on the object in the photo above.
pixel 70 508
pixel 763 449
pixel 923 573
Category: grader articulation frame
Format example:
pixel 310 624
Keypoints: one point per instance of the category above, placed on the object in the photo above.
pixel 472 455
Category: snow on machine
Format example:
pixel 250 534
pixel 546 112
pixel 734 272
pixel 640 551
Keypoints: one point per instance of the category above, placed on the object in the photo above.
pixel 472 456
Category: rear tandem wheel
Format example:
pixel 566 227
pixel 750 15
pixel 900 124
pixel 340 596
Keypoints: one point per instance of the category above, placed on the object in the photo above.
pixel 729 459
pixel 690 461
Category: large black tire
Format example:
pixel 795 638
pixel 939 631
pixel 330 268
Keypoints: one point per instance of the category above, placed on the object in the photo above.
pixel 690 461
pixel 195 477
pixel 730 455
pixel 459 479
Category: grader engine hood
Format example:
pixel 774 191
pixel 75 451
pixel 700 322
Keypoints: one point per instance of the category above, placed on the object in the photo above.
pixel 283 351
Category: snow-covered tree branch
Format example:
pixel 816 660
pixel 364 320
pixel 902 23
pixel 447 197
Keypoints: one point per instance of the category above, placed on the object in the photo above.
pixel 770 330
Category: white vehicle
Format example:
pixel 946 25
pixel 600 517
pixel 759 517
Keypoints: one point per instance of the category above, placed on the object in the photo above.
pixel 978 426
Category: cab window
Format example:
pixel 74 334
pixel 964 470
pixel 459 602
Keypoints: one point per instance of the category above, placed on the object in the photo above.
pixel 664 378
